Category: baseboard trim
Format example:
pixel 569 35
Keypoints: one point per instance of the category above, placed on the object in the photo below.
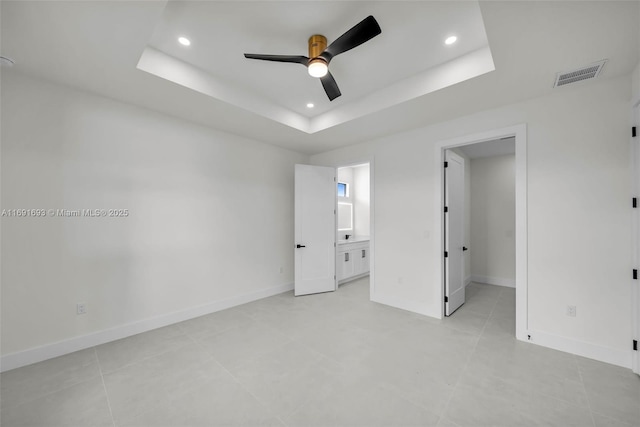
pixel 592 351
pixel 498 281
pixel 467 280
pixel 352 278
pixel 49 351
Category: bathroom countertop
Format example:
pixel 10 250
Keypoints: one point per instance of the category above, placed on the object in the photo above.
pixel 354 239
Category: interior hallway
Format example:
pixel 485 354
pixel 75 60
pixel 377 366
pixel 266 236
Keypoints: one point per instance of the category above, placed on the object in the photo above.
pixel 326 360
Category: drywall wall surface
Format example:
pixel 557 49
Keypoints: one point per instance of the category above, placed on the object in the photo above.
pixel 635 85
pixel 198 216
pixel 578 210
pixel 635 75
pixel 493 220
pixel 361 203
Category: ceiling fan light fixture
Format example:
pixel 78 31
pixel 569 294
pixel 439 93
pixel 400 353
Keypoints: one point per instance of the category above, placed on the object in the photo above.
pixel 318 68
pixel 320 54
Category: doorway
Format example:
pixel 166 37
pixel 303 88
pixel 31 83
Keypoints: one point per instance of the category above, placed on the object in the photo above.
pixel 334 223
pixel 479 233
pixel 353 223
pixel 518 133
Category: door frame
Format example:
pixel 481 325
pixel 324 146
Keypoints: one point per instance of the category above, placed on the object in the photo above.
pixel 450 156
pixel 520 134
pixel 372 245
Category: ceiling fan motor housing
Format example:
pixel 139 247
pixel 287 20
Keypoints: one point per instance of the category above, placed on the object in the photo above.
pixel 317 45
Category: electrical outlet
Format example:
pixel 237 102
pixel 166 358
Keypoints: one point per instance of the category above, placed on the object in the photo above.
pixel 81 308
pixel 571 310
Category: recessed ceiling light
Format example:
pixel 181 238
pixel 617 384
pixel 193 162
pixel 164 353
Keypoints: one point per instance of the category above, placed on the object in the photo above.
pixel 450 40
pixel 184 41
pixel 310 105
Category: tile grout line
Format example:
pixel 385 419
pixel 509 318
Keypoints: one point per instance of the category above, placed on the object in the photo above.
pixel 609 417
pixel 550 396
pixel 296 341
pixel 455 387
pixel 185 391
pixel 129 364
pixel 104 386
pixel 224 368
pixel 49 393
pixel 593 419
pixel 237 381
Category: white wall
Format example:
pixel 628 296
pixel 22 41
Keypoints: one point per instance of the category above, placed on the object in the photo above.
pixel 361 204
pixel 210 219
pixel 578 212
pixel 493 220
pixel 635 76
pixel 635 88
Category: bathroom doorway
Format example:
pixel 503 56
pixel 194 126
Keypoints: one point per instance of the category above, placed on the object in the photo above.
pixel 354 236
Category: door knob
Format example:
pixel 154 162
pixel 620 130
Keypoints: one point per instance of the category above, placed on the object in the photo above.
pixel 300 246
pixel 464 248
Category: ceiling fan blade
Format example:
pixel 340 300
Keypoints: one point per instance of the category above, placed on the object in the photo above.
pixel 364 31
pixel 330 86
pixel 279 58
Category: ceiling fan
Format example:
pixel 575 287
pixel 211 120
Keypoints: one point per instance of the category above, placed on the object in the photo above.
pixel 320 55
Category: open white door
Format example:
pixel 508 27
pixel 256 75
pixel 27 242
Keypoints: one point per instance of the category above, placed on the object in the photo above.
pixel 635 289
pixel 454 232
pixel 315 229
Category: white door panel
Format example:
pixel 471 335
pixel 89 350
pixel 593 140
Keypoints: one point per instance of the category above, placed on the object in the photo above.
pixel 315 229
pixel 454 232
pixel 635 150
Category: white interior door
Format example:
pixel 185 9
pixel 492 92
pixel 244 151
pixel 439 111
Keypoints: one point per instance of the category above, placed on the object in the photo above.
pixel 315 229
pixel 454 232
pixel 635 150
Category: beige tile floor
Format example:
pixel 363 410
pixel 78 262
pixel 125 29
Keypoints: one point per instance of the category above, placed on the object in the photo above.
pixel 334 359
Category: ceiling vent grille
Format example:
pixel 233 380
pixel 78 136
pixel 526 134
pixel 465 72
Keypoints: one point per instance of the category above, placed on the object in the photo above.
pixel 591 71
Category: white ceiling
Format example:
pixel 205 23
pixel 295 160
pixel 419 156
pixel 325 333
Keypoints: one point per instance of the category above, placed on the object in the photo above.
pixel 496 147
pixel 96 46
pixel 413 35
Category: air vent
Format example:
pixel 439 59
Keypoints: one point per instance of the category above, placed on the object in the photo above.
pixel 591 71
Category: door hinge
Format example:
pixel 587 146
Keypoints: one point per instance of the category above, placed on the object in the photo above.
pixel 635 274
pixel 635 345
pixel 334 211
pixel 446 299
pixel 446 254
pixel 446 209
pixel 334 277
pixel 633 132
pixel 634 202
pixel 334 179
pixel 446 164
